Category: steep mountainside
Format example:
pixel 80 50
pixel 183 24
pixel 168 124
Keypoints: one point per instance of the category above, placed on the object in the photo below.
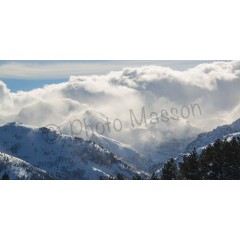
pixel 62 156
pixel 222 132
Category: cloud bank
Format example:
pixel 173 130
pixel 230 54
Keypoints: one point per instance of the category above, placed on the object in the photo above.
pixel 213 86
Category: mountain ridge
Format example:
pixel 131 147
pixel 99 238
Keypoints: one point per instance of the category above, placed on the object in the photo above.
pixel 67 158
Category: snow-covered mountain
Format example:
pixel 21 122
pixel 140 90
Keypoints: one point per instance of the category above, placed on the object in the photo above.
pixel 40 153
pixel 225 132
pixel 107 140
pixel 222 133
pixel 61 156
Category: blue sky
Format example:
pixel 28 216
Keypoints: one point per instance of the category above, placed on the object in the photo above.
pixel 27 75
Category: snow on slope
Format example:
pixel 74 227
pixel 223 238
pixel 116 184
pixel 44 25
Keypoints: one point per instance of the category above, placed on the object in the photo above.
pixel 124 152
pixel 65 158
pixel 18 169
pixel 109 141
pixel 222 132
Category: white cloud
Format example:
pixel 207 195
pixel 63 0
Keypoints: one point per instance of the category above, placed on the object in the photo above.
pixel 5 97
pixel 214 86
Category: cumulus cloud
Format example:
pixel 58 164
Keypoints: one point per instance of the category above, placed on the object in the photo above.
pixel 213 86
pixel 5 97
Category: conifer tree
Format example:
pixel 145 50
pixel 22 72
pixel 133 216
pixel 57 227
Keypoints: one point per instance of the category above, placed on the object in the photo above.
pixel 5 176
pixel 169 171
pixel 189 168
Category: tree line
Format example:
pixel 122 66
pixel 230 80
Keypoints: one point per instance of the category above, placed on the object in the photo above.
pixel 218 161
